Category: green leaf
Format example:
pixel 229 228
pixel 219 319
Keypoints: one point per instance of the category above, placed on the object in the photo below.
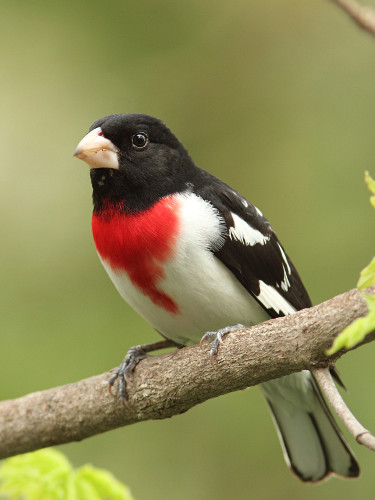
pixel 356 331
pixel 48 475
pixel 367 276
pixel 103 482
pixel 370 182
pixel 35 476
pixel 371 185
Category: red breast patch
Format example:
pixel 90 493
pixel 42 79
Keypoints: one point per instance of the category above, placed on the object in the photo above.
pixel 139 244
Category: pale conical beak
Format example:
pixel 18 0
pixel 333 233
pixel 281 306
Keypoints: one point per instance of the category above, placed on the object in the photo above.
pixel 97 151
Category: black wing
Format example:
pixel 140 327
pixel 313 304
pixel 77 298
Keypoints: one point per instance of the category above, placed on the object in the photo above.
pixel 254 254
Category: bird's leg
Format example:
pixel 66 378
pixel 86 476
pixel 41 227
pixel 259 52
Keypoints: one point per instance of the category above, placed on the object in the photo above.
pixel 217 338
pixel 134 355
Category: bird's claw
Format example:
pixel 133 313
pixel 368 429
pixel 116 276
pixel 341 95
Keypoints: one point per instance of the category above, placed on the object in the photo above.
pixel 217 339
pixel 134 356
pixel 123 372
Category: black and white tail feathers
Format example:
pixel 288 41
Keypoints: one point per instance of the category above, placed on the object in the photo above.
pixel 313 446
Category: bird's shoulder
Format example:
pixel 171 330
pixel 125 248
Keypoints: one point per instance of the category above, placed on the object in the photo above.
pixel 252 251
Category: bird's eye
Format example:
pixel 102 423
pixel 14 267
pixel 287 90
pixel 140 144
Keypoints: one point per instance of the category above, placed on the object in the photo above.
pixel 140 140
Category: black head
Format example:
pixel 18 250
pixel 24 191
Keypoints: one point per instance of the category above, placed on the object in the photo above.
pixel 135 159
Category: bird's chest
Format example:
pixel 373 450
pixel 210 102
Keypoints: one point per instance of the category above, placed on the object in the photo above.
pixel 139 245
pixel 162 263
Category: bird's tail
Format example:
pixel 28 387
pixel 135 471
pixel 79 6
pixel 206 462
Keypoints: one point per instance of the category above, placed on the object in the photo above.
pixel 314 448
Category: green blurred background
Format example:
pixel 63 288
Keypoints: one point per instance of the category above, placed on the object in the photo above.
pixel 277 98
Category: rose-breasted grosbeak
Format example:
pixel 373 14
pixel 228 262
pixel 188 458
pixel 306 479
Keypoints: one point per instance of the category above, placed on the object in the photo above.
pixel 191 255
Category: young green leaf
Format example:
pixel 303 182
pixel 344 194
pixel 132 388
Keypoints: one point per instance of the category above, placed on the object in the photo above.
pixel 371 185
pixel 48 475
pixel 370 182
pixel 357 331
pixel 367 276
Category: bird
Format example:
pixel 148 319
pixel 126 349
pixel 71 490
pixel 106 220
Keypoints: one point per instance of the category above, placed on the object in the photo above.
pixel 197 261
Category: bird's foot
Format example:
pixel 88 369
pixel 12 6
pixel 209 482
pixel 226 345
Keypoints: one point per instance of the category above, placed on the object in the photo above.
pixel 133 357
pixel 217 339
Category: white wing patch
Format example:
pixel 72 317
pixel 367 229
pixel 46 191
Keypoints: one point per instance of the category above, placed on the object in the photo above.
pixel 285 284
pixel 284 258
pixel 271 299
pixel 243 232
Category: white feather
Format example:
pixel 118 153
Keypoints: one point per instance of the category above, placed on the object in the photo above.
pixel 243 232
pixel 285 284
pixel 284 258
pixel 271 299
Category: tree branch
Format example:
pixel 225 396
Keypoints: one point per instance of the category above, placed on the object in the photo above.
pixel 167 385
pixel 356 429
pixel 364 16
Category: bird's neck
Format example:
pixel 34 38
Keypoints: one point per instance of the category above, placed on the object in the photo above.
pixel 111 191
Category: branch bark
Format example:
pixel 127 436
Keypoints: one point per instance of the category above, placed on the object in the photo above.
pixel 167 385
pixel 364 16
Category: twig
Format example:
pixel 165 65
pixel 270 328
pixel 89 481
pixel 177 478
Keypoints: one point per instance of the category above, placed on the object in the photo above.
pixel 364 16
pixel 362 435
pixel 167 385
